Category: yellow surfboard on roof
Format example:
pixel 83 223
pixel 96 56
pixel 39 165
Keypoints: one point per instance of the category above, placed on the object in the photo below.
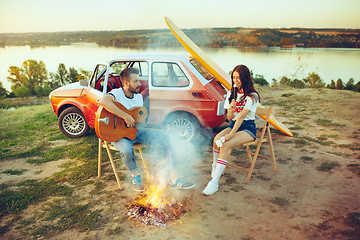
pixel 214 69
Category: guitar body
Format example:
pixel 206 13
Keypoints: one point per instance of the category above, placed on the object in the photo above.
pixel 111 128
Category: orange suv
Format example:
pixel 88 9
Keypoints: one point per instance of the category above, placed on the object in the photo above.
pixel 177 91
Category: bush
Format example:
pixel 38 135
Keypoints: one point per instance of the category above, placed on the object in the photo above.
pixel 259 79
pixel 22 92
pixel 296 83
pixel 3 92
pixel 39 91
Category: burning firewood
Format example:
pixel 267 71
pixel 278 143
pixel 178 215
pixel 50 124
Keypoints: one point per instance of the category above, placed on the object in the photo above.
pixel 151 208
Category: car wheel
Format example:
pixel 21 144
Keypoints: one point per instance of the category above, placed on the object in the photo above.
pixel 183 126
pixel 72 123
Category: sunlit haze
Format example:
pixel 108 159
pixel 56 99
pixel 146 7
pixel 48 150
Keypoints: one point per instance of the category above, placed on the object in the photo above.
pixel 79 15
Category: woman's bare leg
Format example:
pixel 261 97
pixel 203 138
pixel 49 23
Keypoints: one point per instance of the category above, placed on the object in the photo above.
pixel 216 149
pixel 237 139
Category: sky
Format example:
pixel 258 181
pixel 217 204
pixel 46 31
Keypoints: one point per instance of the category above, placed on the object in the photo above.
pixel 103 15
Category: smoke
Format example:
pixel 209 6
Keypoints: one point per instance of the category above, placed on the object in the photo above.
pixel 186 158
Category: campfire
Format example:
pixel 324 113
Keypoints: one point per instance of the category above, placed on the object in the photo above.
pixel 151 208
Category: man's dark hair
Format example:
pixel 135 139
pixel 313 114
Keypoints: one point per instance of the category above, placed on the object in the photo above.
pixel 125 74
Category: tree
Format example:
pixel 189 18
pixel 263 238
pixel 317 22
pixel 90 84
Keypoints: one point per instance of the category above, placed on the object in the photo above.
pixel 84 74
pixel 332 84
pixel 72 76
pixel 59 78
pixel 350 85
pixel 286 41
pixel 259 79
pixel 22 92
pixel 296 83
pixel 284 81
pixel 339 84
pixel 313 80
pixel 35 72
pixel 274 82
pixel 17 77
pixel 39 91
pixel 357 87
pixel 3 91
pixel 31 73
pixel 47 89
pixel 63 76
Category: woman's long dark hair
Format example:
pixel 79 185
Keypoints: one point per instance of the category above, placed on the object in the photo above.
pixel 246 83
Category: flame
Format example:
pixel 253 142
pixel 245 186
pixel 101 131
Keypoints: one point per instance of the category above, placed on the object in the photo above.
pixel 152 208
pixel 153 197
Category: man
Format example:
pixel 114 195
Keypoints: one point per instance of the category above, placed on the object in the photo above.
pixel 129 97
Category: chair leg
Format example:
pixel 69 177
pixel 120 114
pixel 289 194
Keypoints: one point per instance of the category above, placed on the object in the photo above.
pixel 112 163
pixel 249 153
pixel 145 166
pixel 253 162
pixel 99 157
pixel 272 149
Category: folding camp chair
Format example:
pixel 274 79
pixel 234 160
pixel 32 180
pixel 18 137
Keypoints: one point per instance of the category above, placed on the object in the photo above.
pixel 258 142
pixel 109 147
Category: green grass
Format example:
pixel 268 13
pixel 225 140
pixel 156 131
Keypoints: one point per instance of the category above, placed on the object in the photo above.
pixel 30 192
pixel 353 146
pixel 280 201
pixel 14 172
pixel 326 122
pixel 327 166
pixel 355 168
pixel 23 131
pixel 307 159
pixel 115 231
pixel 230 180
pixel 287 94
pixel 51 155
pixel 264 178
pixel 296 127
pixel 75 215
pixel 237 152
pixel 28 132
pixel 306 140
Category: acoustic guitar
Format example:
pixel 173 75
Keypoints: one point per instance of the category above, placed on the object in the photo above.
pixel 111 128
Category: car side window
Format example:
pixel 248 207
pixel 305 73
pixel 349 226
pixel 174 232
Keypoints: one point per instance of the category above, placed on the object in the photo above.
pixel 201 69
pixel 143 68
pixel 166 74
pixel 96 75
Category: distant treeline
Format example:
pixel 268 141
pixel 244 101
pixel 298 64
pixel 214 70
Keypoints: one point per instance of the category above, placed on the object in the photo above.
pixel 206 37
pixel 32 78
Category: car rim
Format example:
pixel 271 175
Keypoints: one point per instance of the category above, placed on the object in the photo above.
pixel 73 123
pixel 183 129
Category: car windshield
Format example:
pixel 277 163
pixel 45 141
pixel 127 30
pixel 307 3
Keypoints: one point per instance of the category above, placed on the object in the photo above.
pixel 201 69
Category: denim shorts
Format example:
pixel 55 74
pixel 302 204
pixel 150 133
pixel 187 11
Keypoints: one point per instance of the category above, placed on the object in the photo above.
pixel 246 126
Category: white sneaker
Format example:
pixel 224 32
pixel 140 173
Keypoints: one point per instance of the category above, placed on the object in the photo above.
pixel 211 188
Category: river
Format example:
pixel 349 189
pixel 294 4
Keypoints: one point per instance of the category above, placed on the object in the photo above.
pixel 273 62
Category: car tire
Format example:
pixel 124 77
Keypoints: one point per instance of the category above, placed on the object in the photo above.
pixel 184 126
pixel 72 123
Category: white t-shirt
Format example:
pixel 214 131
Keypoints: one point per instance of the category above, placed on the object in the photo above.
pixel 120 97
pixel 248 103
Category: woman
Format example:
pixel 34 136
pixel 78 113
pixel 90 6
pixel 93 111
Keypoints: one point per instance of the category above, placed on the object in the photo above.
pixel 241 103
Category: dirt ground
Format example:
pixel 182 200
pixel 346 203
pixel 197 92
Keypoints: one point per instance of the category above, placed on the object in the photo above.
pixel 299 201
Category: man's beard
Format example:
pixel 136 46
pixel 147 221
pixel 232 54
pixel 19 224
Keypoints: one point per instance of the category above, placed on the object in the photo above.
pixel 134 90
